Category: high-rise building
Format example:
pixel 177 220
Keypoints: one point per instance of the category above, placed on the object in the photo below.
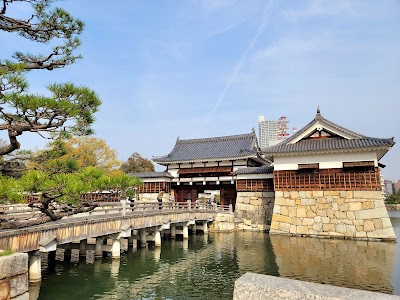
pixel 268 131
pixel 271 132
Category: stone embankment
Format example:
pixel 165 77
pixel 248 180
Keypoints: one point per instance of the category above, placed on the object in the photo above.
pixel 350 214
pixel 253 210
pixel 14 277
pixel 393 206
pixel 256 287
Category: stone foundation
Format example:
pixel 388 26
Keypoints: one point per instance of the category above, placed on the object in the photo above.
pixel 14 276
pixel 223 222
pixel 152 197
pixel 253 210
pixel 350 214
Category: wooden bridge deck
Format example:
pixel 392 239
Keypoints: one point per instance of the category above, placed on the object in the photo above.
pixel 79 228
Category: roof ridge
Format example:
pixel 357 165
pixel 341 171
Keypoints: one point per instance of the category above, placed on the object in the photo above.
pixel 217 138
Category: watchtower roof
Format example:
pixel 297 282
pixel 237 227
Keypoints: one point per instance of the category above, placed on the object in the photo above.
pixel 211 149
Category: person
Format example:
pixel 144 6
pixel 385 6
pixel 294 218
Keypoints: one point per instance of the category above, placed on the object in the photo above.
pixel 215 203
pixel 171 200
pixel 197 202
pixel 159 199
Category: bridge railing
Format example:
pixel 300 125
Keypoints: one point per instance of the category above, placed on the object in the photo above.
pixel 24 212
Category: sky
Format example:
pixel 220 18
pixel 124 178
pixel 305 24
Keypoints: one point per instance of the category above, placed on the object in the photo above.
pixel 203 68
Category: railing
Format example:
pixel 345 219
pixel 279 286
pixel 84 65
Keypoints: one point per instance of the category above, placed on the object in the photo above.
pixel 24 212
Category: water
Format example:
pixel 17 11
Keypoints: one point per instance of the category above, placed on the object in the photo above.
pixel 206 267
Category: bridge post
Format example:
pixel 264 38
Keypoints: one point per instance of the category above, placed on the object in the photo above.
pixel 67 251
pixel 231 208
pixel 116 247
pixel 173 231
pixel 189 202
pixel 35 267
pixel 205 227
pixel 143 238
pixel 82 247
pixel 98 252
pixel 157 237
pixel 185 231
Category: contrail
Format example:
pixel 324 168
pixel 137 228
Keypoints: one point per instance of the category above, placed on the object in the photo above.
pixel 243 58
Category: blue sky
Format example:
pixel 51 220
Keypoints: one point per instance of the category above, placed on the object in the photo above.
pixel 205 68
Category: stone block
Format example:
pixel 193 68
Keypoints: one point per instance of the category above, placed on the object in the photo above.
pixel 13 264
pixel 355 206
pixel 325 220
pixel 294 194
pixel 4 289
pixel 280 218
pixel 311 214
pixel 22 297
pixel 318 193
pixel 278 193
pixel 346 221
pixel 317 227
pixel 293 229
pixel 342 194
pixel 350 215
pixel 302 230
pixel 329 199
pixel 330 214
pixel 308 221
pixel 387 233
pixel 275 225
pixel 351 230
pixel 344 207
pixel 341 214
pixel 301 212
pixel 303 194
pixel 358 222
pixel 284 211
pixel 335 206
pixel 349 195
pixel 317 219
pixel 321 200
pixel 379 203
pixel 331 193
pixel 341 228
pixel 19 285
pixel 378 223
pixel 292 211
pixel 369 225
pixel 285 227
pixel 309 194
pixel 340 201
pixel 361 234
pixel 296 221
pixel 285 201
pixel 368 204
pixel 386 222
pixel 308 201
pixel 246 200
pixel 367 194
pixel 298 201
pixel 328 227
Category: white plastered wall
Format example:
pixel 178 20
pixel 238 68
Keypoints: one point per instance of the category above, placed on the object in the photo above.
pixel 326 161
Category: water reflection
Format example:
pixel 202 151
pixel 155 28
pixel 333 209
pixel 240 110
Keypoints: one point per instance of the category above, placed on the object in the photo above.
pixel 206 266
pixel 356 264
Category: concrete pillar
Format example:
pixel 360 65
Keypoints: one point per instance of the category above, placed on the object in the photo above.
pixel 205 227
pixel 173 231
pixel 205 239
pixel 143 238
pixel 157 253
pixel 98 253
pixel 194 228
pixel 116 248
pixel 157 238
pixel 185 244
pixel 185 232
pixel 82 247
pixel 35 267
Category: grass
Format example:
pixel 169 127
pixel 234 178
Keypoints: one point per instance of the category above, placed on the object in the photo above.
pixel 6 252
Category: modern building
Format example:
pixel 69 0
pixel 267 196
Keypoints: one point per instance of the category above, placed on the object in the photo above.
pixel 268 131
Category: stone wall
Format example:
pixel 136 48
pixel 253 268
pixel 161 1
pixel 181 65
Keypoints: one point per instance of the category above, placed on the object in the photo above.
pixel 14 276
pixel 223 222
pixel 350 214
pixel 151 197
pixel 253 210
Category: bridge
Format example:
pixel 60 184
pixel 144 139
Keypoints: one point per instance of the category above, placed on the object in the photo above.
pixel 108 225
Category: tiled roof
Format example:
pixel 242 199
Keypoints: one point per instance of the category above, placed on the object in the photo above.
pixel 329 144
pixel 355 141
pixel 254 170
pixel 234 146
pixel 152 175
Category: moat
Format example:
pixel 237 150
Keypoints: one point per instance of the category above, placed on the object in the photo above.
pixel 206 267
